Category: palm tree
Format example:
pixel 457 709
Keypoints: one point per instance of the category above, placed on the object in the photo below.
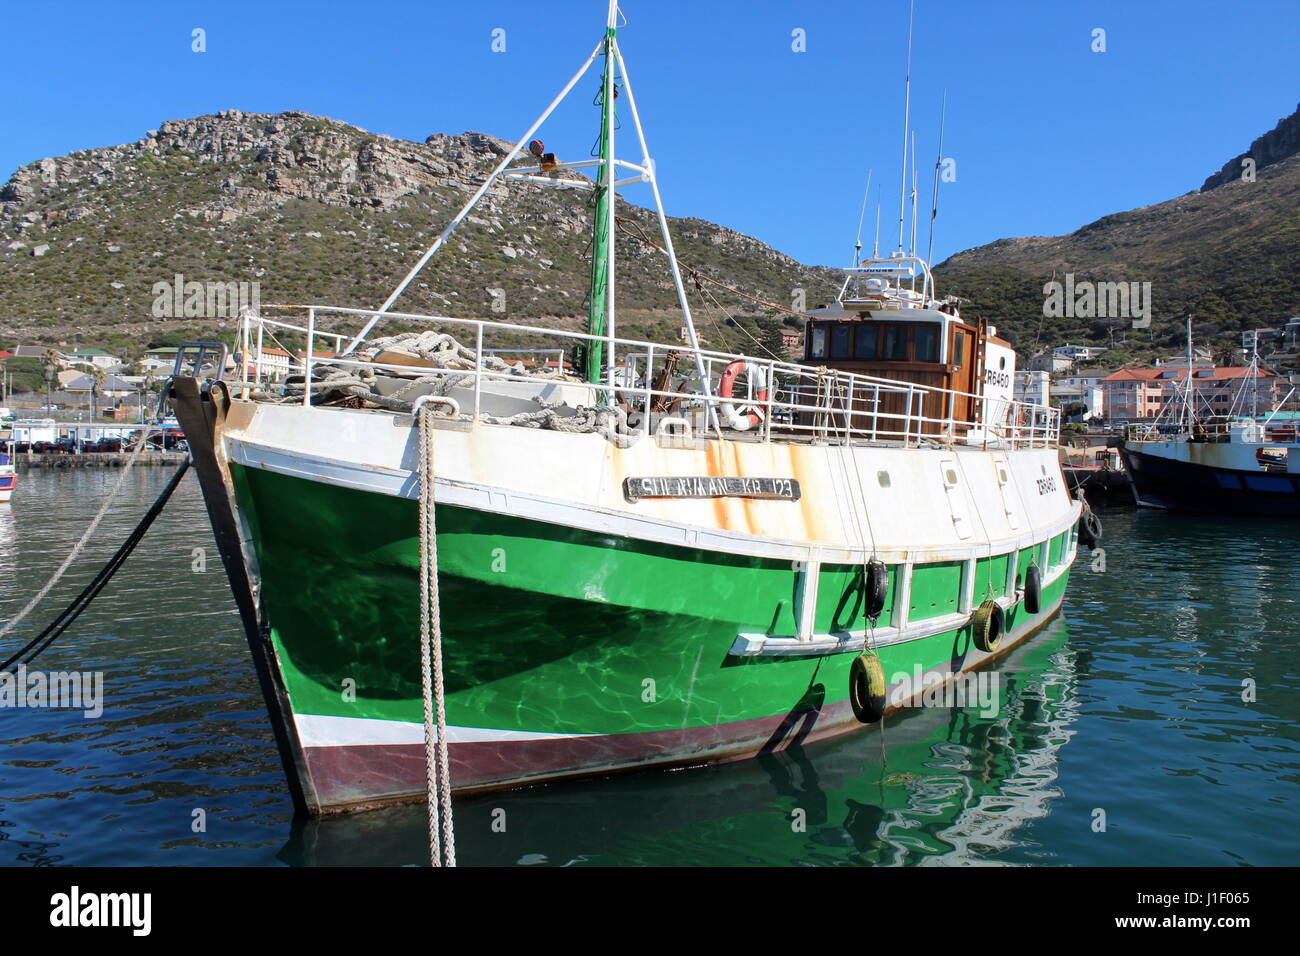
pixel 1227 356
pixel 97 377
pixel 51 360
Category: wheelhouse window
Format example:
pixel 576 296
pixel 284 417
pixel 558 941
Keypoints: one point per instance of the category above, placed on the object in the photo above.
pixel 817 342
pixel 927 343
pixel 866 344
pixel 841 333
pixel 959 349
pixel 895 343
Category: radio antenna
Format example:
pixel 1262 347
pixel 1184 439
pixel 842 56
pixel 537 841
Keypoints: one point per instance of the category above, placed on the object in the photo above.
pixel 857 248
pixel 907 122
pixel 912 249
pixel 938 162
pixel 875 250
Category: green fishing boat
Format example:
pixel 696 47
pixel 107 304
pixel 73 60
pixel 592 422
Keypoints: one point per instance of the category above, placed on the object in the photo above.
pixel 647 555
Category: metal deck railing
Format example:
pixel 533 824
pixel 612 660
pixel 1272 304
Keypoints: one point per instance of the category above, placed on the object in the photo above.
pixel 802 403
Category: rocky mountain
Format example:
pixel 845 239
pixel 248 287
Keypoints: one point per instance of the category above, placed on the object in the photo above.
pixel 315 210
pixel 1228 254
pixel 1281 142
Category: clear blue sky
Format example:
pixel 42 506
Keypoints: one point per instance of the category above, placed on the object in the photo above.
pixel 1047 135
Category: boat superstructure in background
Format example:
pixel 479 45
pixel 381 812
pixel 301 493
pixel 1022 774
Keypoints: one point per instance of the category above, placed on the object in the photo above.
pixel 8 472
pixel 1229 464
pixel 650 555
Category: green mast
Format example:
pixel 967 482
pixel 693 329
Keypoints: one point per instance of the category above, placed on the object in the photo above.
pixel 600 303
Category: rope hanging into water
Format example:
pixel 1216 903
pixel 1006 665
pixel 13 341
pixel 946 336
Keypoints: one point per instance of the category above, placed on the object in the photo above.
pixel 55 628
pixel 81 545
pixel 442 848
pixel 39 596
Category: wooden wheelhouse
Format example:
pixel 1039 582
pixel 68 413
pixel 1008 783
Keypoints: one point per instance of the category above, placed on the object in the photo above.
pixel 904 334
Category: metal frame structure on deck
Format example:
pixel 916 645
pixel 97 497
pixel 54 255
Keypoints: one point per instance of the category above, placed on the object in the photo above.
pixel 645 173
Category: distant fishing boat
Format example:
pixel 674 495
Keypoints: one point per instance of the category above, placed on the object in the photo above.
pixel 1231 464
pixel 647 555
pixel 8 473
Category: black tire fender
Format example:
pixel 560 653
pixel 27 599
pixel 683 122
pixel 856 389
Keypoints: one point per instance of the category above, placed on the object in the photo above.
pixel 867 688
pixel 986 626
pixel 1033 589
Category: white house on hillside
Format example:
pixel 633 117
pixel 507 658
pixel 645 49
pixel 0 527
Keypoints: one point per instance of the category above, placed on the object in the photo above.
pixel 96 357
pixel 1033 387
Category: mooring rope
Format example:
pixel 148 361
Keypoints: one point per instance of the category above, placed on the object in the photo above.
pixel 80 546
pixel 28 652
pixel 437 772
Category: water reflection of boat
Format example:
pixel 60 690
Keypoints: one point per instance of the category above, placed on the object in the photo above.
pixel 956 788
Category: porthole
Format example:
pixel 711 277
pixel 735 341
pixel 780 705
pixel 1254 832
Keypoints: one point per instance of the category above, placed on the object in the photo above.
pixel 883 478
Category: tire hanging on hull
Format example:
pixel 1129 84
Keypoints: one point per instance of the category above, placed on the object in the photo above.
pixel 875 587
pixel 1033 589
pixel 986 626
pixel 1090 530
pixel 867 687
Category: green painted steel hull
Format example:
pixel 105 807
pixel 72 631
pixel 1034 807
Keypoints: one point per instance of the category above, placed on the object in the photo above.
pixel 588 652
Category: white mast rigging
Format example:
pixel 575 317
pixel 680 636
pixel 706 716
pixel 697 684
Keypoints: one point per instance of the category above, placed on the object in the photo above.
pixel 645 173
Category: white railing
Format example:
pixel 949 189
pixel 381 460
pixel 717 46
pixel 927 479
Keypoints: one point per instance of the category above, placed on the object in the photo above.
pixel 1217 430
pixel 803 402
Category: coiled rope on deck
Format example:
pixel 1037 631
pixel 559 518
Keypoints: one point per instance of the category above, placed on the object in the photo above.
pixel 442 848
pixel 444 355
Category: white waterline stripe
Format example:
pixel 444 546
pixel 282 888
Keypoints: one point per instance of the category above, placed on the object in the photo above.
pixel 318 730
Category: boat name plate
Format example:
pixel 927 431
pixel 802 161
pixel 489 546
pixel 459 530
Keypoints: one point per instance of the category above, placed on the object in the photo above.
pixel 707 486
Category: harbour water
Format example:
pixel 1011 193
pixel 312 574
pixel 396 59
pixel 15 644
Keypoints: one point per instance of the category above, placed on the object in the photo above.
pixel 1121 736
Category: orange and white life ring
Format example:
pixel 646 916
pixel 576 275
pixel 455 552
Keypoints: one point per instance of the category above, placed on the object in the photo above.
pixel 746 416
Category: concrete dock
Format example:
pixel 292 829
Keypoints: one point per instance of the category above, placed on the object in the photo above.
pixel 25 460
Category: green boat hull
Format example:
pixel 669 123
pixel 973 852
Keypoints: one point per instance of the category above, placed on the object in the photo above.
pixel 567 652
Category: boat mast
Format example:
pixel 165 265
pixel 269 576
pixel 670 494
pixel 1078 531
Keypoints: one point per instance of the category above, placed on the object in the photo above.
pixel 644 173
pixel 907 122
pixel 648 175
pixel 600 304
pixel 473 201
pixel 1254 377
